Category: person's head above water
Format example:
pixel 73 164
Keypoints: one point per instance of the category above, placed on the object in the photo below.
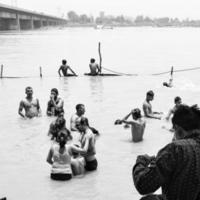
pixel 60 122
pixel 136 113
pixel 29 91
pixel 92 60
pixel 186 119
pixel 80 109
pixel 83 124
pixel 62 138
pixel 177 100
pixel 54 91
pixel 150 95
pixel 64 62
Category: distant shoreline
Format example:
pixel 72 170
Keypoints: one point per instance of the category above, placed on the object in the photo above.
pixel 130 25
pixel 107 27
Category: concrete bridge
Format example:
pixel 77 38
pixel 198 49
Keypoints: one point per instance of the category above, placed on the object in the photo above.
pixel 12 18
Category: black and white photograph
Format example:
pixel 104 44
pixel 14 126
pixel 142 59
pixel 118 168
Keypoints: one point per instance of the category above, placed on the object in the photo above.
pixel 99 100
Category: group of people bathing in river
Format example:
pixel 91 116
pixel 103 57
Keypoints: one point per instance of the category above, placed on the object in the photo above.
pixel 95 70
pixel 73 151
pixel 176 167
pixel 138 122
pixel 64 68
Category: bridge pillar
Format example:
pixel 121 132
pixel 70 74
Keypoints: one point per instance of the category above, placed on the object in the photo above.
pixel 17 22
pixel 41 24
pixel 32 24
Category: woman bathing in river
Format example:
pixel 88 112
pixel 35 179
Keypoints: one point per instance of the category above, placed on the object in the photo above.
pixel 60 157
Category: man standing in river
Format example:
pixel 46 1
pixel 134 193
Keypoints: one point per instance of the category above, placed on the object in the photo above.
pixel 30 105
pixel 147 107
pixel 137 123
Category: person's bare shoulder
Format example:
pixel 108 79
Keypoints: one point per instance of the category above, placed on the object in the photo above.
pixel 22 102
pixel 143 121
pixel 145 105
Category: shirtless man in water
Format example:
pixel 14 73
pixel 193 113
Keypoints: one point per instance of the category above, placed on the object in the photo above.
pixel 147 107
pixel 137 123
pixel 64 68
pixel 94 67
pixel 76 118
pixel 30 105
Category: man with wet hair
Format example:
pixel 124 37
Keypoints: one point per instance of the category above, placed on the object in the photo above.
pixel 64 68
pixel 176 168
pixel 94 67
pixel 147 107
pixel 29 104
pixel 137 123
pixel 88 141
pixel 55 104
pixel 75 119
pixel 177 102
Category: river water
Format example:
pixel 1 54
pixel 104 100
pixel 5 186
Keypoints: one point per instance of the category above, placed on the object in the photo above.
pixel 24 143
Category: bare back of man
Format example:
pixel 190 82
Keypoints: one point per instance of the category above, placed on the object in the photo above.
pixel 137 130
pixel 94 69
pixel 64 69
pixel 137 123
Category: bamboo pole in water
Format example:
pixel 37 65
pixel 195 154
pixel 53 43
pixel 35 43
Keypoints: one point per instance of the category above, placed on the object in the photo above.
pixel 1 71
pixel 100 57
pixel 40 72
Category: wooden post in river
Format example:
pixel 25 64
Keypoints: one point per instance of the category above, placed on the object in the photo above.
pixel 100 58
pixel 40 72
pixel 1 71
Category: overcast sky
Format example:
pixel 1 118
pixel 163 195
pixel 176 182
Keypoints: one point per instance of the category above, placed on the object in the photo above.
pixel 153 8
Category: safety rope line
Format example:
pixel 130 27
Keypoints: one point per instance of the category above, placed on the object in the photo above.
pixel 119 73
pixel 178 70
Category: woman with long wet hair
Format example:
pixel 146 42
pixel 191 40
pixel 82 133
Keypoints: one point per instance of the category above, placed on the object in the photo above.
pixel 59 157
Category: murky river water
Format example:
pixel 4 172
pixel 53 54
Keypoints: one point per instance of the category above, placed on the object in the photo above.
pixel 24 143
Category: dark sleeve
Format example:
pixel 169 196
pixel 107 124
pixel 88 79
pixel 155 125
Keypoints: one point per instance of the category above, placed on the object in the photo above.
pixel 148 177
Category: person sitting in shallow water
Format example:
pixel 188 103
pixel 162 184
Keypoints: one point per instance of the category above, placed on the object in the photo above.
pixel 30 105
pixel 94 67
pixel 60 155
pixel 64 68
pixel 137 124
